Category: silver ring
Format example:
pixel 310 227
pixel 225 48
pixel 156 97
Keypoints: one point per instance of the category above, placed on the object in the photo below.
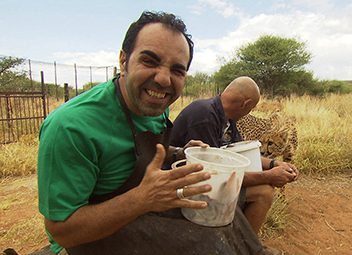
pixel 179 193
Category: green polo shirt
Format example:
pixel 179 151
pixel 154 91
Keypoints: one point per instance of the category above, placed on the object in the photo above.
pixel 86 148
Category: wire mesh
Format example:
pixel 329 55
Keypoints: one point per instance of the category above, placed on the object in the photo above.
pixel 58 73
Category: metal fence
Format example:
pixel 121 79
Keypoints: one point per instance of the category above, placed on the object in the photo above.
pixel 75 75
pixel 23 110
pixel 21 113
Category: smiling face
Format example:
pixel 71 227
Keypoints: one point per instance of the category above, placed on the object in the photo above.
pixel 154 75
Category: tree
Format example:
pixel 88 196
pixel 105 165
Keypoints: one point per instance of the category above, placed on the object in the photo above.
pixel 273 62
pixel 8 75
pixel 199 84
pixel 226 74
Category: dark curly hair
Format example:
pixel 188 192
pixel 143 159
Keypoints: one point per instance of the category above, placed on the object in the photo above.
pixel 147 17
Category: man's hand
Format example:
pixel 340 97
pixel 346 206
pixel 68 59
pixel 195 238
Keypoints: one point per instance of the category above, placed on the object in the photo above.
pixel 158 188
pixel 280 175
pixel 288 167
pixel 193 143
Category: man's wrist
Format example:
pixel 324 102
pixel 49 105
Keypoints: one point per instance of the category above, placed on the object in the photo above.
pixel 272 164
pixel 176 152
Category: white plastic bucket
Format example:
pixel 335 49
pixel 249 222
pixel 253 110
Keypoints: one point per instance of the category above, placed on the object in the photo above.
pixel 227 170
pixel 249 149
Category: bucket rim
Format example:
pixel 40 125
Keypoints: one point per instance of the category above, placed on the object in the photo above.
pixel 243 145
pixel 241 157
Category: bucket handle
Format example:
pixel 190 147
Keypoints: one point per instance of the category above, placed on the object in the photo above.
pixel 174 165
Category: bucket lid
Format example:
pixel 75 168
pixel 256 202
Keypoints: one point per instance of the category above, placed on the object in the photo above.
pixel 233 158
pixel 243 146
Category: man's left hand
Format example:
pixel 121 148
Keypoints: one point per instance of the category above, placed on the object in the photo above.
pixel 289 168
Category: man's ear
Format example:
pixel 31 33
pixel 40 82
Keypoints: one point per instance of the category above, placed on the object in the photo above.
pixel 122 62
pixel 247 103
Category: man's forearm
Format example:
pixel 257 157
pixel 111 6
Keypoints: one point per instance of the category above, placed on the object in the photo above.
pixel 255 178
pixel 259 178
pixel 93 222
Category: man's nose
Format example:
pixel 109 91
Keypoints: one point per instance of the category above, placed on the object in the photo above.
pixel 163 77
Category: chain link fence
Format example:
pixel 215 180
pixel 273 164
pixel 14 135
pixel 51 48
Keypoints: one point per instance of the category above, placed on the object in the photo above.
pixel 76 76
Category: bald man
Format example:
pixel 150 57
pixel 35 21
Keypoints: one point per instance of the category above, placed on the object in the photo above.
pixel 214 122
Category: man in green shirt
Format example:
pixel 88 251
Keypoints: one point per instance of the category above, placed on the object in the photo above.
pixel 87 148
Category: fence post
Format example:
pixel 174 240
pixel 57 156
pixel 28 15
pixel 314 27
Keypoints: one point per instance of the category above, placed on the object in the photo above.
pixel 43 93
pixel 56 85
pixel 90 76
pixel 67 97
pixel 76 83
pixel 9 116
pixel 106 73
pixel 30 73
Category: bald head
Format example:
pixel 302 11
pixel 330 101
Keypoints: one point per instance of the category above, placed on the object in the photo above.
pixel 240 97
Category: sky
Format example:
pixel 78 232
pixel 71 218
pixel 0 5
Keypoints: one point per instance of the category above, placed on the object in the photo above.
pixel 90 33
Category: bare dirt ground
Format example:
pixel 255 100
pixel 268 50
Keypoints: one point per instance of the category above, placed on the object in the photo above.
pixel 320 216
pixel 320 212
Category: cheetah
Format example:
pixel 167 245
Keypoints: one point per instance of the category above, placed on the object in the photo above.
pixel 277 135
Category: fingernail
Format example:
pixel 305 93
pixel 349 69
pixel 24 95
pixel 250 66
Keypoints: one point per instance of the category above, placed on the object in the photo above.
pixel 204 204
pixel 207 175
pixel 208 187
pixel 199 167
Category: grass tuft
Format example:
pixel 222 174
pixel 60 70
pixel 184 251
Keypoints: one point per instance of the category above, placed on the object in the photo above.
pixel 277 216
pixel 28 231
pixel 20 158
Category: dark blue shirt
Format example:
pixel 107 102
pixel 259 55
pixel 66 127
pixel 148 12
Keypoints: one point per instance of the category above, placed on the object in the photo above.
pixel 204 120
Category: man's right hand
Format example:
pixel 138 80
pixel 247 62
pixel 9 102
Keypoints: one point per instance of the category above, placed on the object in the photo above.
pixel 158 188
pixel 279 176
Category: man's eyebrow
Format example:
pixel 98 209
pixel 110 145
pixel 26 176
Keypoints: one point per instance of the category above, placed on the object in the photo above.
pixel 179 66
pixel 151 54
pixel 157 58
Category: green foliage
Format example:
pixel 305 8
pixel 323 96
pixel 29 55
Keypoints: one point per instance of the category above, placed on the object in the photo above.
pixel 199 84
pixel 275 63
pixel 334 86
pixel 300 83
pixel 9 76
pixel 226 74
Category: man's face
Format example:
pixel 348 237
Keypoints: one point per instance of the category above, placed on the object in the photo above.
pixel 156 71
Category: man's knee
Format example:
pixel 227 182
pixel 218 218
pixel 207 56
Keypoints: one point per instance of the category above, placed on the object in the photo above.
pixel 268 194
pixel 263 194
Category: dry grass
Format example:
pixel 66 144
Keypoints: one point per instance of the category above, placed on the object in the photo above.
pixel 276 218
pixel 29 231
pixel 324 132
pixel 176 107
pixel 324 128
pixel 53 103
pixel 325 146
pixel 21 225
pixel 19 159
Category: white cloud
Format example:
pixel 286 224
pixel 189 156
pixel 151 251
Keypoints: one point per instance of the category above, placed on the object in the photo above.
pixel 328 38
pixel 100 58
pixel 223 7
